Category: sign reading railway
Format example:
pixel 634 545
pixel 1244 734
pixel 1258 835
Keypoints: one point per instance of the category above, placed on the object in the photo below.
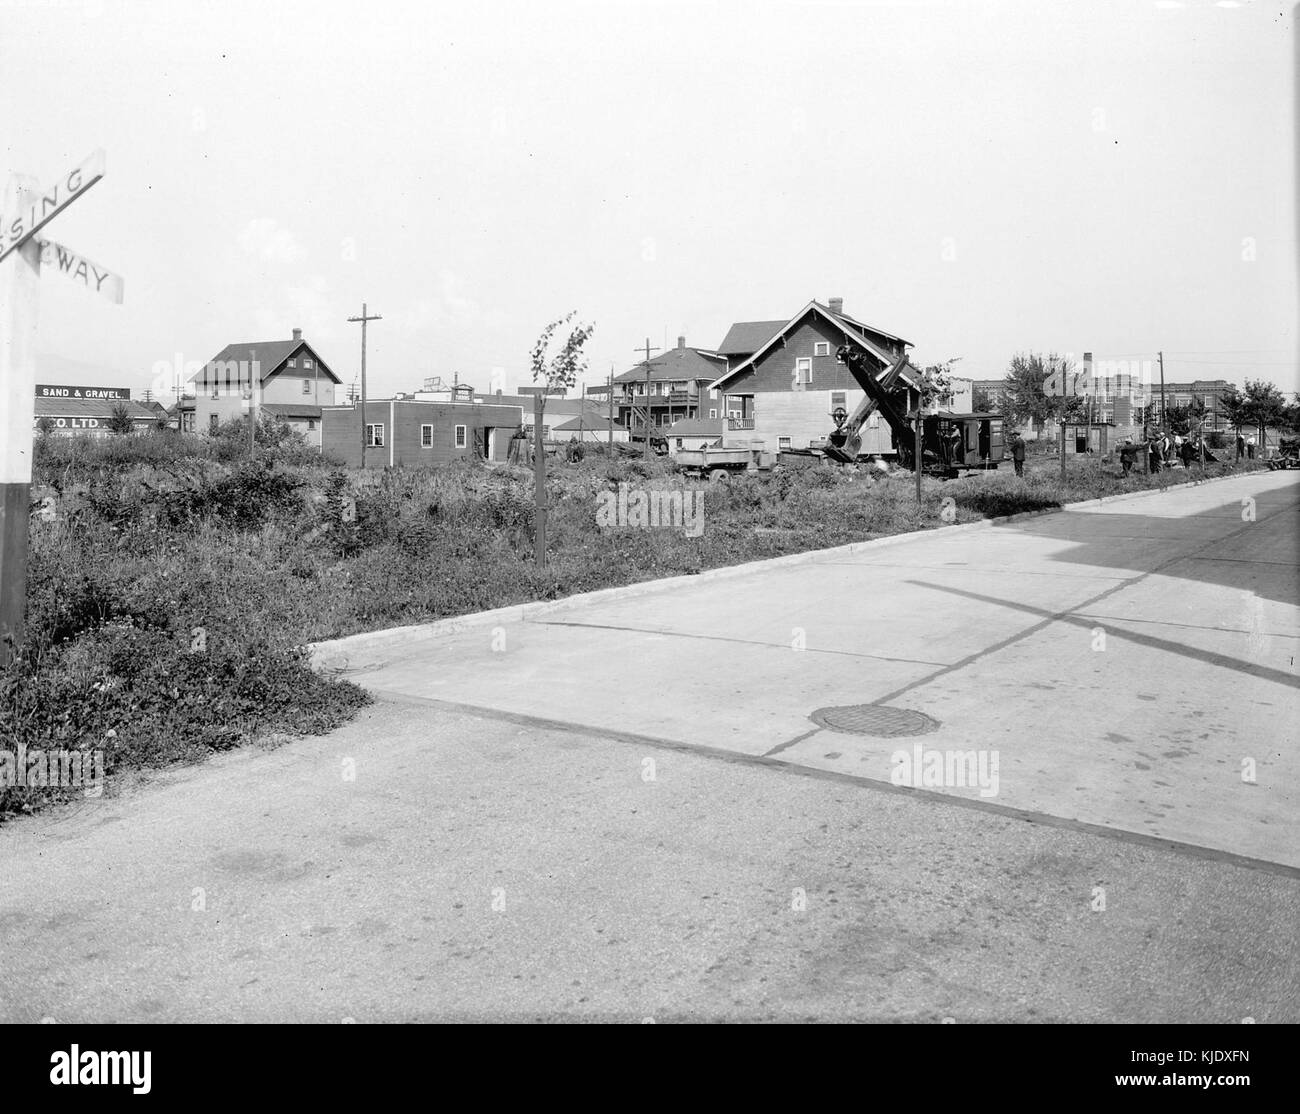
pixel 35 212
pixel 27 209
pixel 80 269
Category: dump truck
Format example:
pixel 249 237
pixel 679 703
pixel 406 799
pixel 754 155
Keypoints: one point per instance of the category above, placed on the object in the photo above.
pixel 714 461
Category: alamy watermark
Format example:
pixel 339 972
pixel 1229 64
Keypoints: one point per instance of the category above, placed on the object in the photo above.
pixel 651 508
pixel 946 769
pixel 53 769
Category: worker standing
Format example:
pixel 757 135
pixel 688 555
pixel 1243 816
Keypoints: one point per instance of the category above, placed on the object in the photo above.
pixel 1018 453
pixel 1127 455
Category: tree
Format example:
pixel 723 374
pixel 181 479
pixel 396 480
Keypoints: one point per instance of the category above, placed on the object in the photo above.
pixel 1235 409
pixel 119 421
pixel 45 425
pixel 560 371
pixel 555 372
pixel 1265 406
pixel 936 384
pixel 983 400
pixel 1023 398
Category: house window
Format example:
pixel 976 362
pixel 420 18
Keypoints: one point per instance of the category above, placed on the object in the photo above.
pixel 306 363
pixel 822 348
pixel 306 386
pixel 783 442
pixel 216 390
pixel 426 436
pixel 803 370
pixel 375 435
pixel 460 437
pixel 311 423
pixel 292 362
pixel 213 422
pixel 679 442
pixel 713 412
pixel 837 399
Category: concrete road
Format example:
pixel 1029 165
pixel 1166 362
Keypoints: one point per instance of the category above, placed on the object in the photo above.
pixel 702 848
pixel 1130 667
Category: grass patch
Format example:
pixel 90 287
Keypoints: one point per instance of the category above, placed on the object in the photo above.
pixel 171 592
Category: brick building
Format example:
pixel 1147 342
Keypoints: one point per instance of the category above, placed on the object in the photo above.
pixel 410 431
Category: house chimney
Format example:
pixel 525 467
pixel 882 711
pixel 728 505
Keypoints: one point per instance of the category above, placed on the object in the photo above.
pixel 297 334
pixel 681 342
pixel 837 305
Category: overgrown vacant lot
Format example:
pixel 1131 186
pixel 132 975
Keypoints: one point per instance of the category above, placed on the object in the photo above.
pixel 173 586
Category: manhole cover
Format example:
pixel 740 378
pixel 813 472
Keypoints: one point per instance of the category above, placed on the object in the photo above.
pixel 874 719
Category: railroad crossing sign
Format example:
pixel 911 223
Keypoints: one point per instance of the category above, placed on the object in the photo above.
pixel 28 209
pixel 34 212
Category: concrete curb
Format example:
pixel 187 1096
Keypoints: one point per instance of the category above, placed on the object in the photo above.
pixel 358 652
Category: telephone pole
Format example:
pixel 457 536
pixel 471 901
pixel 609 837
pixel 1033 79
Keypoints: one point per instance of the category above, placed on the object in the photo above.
pixel 611 409
pixel 365 317
pixel 648 350
pixel 252 404
pixel 1163 427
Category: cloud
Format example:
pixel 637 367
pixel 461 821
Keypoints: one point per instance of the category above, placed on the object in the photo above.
pixel 269 240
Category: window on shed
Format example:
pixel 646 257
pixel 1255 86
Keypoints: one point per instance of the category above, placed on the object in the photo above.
pixel 375 435
pixel 460 437
pixel 783 442
pixel 426 436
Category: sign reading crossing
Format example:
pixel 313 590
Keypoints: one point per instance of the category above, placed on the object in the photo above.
pixel 36 212
pixel 26 211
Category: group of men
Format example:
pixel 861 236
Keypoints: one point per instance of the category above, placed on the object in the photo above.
pixel 1164 451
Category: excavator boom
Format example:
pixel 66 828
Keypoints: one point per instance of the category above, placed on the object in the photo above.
pixel 846 442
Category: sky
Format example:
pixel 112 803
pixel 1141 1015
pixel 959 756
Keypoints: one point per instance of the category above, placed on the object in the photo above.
pixel 981 178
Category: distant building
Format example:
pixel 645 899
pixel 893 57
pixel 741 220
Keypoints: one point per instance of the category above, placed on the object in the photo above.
pixel 85 411
pixel 670 386
pixel 409 431
pixel 695 433
pixel 589 426
pixel 285 378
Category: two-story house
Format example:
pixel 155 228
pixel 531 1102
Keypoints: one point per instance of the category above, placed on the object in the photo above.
pixel 671 386
pixel 283 378
pixel 783 383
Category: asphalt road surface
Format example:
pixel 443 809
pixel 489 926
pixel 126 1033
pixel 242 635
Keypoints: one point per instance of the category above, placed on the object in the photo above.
pixel 640 806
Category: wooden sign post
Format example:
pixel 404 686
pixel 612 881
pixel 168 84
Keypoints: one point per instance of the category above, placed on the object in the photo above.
pixel 28 209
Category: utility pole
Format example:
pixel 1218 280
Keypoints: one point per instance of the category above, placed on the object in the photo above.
pixel 648 350
pixel 252 414
pixel 365 317
pixel 1163 427
pixel 611 408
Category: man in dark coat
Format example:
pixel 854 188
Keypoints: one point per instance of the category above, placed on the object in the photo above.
pixel 1127 456
pixel 1018 453
pixel 1188 452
